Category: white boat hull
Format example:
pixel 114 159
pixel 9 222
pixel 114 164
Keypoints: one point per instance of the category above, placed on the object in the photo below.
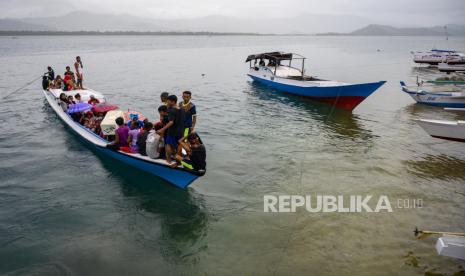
pixel 449 130
pixel 451 246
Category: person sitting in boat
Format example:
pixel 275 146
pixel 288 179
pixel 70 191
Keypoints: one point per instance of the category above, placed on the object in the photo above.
pixel 174 128
pixel 121 135
pixel 78 98
pixel 135 118
pixel 71 99
pixel 262 62
pixel 63 102
pixel 68 83
pixel 142 138
pixel 155 146
pixel 190 113
pixel 58 83
pixel 132 137
pixel 196 154
pixel 93 100
pixel 70 73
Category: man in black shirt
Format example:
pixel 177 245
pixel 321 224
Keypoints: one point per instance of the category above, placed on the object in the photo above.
pixel 174 128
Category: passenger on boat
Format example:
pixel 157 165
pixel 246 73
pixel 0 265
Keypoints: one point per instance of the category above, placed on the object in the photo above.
pixel 68 83
pixel 121 135
pixel 132 137
pixel 50 73
pixel 155 146
pixel 93 100
pixel 190 113
pixel 163 111
pixel 142 138
pixel 71 99
pixel 262 62
pixel 196 154
pixel 63 102
pixel 164 97
pixel 45 82
pixel 78 98
pixel 174 128
pixel 135 118
pixel 79 72
pixel 58 83
pixel 70 73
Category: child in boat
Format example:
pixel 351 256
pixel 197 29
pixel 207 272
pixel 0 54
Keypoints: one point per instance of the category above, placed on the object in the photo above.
pixel 132 137
pixel 71 100
pixel 196 154
pixel 155 146
pixel 78 98
pixel 63 101
pixel 121 135
pixel 58 83
pixel 93 100
pixel 142 138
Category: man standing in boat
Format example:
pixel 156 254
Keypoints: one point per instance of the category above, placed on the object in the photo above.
pixel 190 113
pixel 79 72
pixel 174 127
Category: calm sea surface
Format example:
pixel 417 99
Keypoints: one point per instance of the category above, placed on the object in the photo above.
pixel 66 211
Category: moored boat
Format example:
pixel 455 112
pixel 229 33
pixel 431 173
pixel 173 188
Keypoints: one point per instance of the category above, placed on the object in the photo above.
pixel 449 67
pixel 178 177
pixel 294 81
pixel 448 130
pixel 436 95
pixel 436 56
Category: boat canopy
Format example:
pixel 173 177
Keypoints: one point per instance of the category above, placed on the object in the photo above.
pixel 277 56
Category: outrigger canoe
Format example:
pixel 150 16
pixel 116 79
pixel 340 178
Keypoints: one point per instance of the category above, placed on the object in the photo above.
pixel 178 177
pixel 293 80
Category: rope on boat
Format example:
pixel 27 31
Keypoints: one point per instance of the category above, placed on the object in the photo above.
pixel 26 85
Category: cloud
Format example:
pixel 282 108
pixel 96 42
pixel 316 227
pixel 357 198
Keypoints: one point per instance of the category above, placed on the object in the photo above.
pixel 395 12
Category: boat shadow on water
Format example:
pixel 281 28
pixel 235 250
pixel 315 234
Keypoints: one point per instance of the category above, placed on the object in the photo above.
pixel 182 214
pixel 337 122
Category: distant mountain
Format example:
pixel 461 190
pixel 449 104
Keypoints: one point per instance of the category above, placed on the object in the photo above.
pixel 382 30
pixel 304 24
pixel 85 21
pixel 17 25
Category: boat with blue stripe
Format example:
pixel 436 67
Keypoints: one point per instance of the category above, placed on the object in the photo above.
pixel 436 95
pixel 179 177
pixel 268 69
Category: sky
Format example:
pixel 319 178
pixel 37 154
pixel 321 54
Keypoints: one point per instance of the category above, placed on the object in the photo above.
pixel 393 12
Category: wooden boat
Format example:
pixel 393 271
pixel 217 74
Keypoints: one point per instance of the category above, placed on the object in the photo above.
pixel 293 80
pixel 436 56
pixel 448 244
pixel 436 95
pixel 448 130
pixel 450 67
pixel 178 177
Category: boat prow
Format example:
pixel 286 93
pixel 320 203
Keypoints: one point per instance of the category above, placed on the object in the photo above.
pixel 178 177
